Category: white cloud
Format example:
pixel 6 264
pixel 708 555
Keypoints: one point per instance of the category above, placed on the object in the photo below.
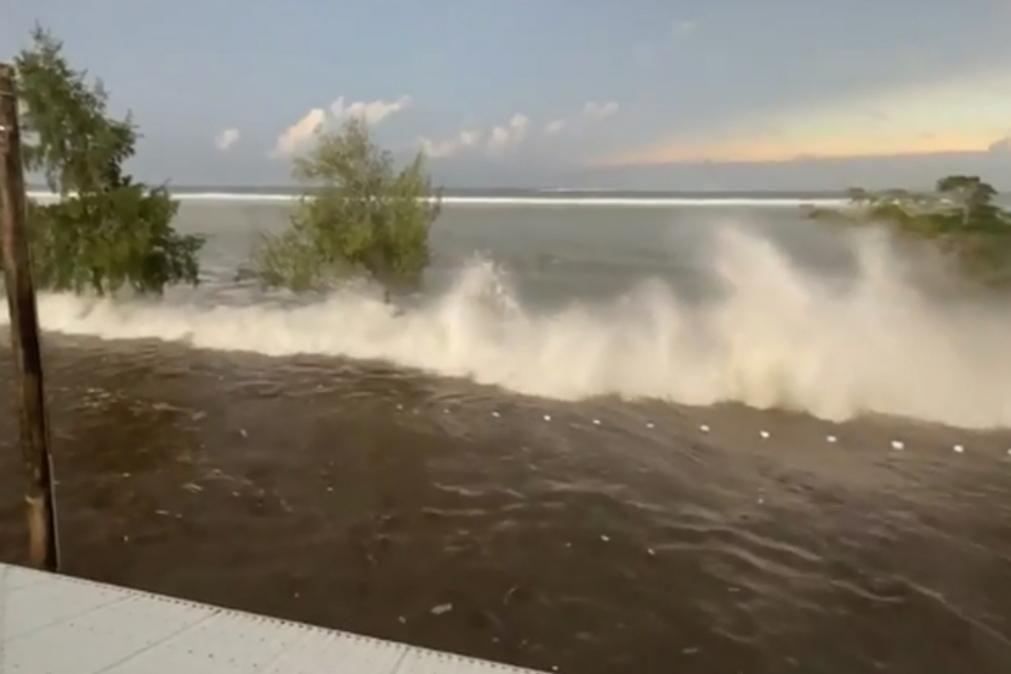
pixel 1001 145
pixel 296 136
pixel 600 111
pixel 508 135
pixel 556 126
pixel 444 148
pixel 372 112
pixel 501 138
pixel 685 27
pixel 226 139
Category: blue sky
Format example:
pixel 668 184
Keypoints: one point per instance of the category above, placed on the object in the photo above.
pixel 636 94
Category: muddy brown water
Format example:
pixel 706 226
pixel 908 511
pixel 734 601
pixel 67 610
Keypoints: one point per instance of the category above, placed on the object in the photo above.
pixel 600 536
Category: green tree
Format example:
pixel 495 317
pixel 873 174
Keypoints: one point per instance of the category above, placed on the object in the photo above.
pixel 973 198
pixel 106 231
pixel 959 215
pixel 358 216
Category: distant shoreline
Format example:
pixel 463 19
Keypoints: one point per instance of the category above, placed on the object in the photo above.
pixel 513 197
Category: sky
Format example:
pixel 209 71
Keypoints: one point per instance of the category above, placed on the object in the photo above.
pixel 729 95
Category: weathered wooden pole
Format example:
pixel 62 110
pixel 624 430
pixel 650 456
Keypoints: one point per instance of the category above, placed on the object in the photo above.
pixel 24 328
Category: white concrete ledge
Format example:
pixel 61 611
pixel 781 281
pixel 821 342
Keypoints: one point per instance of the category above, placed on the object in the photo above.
pixel 52 624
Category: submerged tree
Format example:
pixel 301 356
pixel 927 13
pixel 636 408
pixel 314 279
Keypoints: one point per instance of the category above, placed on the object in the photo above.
pixel 106 231
pixel 359 216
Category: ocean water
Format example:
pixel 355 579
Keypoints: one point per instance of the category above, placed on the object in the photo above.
pixel 616 432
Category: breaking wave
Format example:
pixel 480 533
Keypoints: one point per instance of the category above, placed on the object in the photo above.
pixel 775 336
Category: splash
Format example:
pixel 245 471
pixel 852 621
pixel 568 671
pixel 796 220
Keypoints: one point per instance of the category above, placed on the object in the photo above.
pixel 776 336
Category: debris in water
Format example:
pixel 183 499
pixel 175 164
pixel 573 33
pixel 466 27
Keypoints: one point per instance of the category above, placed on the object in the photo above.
pixel 761 500
pixel 163 513
pixel 235 494
pixel 704 428
pixel 898 444
pixel 650 424
pixel 243 433
pixel 296 595
pixel 958 449
pixel 193 487
pixel 1009 451
pixel 400 407
pixel 126 539
pixel 764 434
pixel 445 410
pixel 330 489
pixel 442 608
pixel 199 416
pixel 651 552
pixel 126 474
pixel 554 668
pixel 495 414
pixel 830 438
pixel 569 545
pixel 605 538
pixel 402 620
pixel 691 650
pixel 596 422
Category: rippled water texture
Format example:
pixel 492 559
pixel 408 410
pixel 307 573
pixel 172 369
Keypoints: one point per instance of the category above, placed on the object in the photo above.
pixel 570 521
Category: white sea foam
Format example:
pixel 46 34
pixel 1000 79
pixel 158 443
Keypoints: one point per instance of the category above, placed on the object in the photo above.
pixel 777 336
pixel 637 201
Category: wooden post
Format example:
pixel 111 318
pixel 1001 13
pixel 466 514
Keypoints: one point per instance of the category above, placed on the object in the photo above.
pixel 24 329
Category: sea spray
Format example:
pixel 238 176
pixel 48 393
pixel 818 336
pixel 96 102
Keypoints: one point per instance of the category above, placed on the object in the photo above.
pixel 774 336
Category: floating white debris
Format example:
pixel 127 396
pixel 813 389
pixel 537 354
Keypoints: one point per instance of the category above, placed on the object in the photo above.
pixel 330 489
pixel 704 428
pixel 235 494
pixel 691 650
pixel 193 487
pixel 1009 451
pixel 761 500
pixel 400 407
pixel 554 668
pixel 650 424
pixel 442 608
pixel 126 474
pixel 596 422
pixel 651 552
pixel 958 449
pixel 831 438
pixel 605 538
pixel 296 595
pixel 126 539
pixel 495 413
pixel 569 545
pixel 243 433
pixel 547 417
pixel 898 444
pixel 163 513
pixel 445 410
pixel 764 434
pixel 402 620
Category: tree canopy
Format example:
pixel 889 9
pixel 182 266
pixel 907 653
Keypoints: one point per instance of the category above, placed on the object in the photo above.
pixel 959 213
pixel 358 216
pixel 106 231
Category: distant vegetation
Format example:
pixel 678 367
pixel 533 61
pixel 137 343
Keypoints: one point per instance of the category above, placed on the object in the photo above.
pixel 959 215
pixel 106 231
pixel 359 216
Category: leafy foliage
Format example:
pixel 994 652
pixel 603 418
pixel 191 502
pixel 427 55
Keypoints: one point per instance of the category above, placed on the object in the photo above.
pixel 959 214
pixel 106 231
pixel 358 216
